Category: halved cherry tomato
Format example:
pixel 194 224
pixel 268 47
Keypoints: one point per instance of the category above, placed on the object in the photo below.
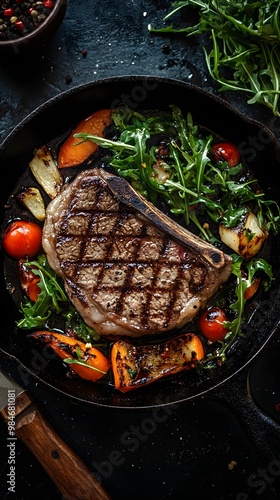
pixel 22 239
pixel 94 365
pixel 71 153
pixel 225 151
pixel 28 280
pixel 211 324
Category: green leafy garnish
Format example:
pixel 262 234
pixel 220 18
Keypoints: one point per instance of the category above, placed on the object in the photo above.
pixel 186 176
pixel 245 37
pixel 51 300
pixel 51 297
pixel 252 268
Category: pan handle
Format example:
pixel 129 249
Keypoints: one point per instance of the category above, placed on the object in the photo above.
pixel 238 395
pixel 72 477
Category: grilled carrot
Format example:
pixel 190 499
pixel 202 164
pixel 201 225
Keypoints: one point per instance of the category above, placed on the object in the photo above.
pixel 71 154
pixel 135 366
pixel 83 359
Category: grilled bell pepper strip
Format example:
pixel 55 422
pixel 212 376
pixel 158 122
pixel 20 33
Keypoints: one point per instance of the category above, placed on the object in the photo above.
pixel 71 153
pixel 136 366
pixel 83 359
pixel 28 280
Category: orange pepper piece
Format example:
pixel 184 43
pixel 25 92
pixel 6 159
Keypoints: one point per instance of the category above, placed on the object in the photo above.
pixel 95 365
pixel 71 154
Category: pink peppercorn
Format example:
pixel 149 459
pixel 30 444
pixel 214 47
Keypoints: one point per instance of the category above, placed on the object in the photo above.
pixel 19 24
pixel 48 3
pixel 8 12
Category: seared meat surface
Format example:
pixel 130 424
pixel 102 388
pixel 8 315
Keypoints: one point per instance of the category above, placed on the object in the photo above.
pixel 127 268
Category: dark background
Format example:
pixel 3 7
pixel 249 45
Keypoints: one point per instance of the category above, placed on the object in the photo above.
pixel 214 447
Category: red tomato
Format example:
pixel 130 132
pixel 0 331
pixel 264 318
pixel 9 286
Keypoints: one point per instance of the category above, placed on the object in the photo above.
pixel 211 324
pixel 224 151
pixel 29 281
pixel 22 239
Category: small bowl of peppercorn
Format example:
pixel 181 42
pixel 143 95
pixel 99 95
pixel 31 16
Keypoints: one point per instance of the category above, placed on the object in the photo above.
pixel 27 24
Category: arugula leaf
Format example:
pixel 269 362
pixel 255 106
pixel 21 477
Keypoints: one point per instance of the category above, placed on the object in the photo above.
pixel 36 313
pixel 245 273
pixel 74 322
pixel 51 300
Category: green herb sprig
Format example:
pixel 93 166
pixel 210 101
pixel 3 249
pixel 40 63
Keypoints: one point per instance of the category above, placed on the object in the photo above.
pixel 252 268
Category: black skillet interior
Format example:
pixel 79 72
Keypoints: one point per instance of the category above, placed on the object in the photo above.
pixel 262 154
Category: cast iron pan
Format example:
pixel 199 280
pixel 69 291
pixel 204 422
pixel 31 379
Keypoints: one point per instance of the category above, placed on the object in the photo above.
pixel 261 152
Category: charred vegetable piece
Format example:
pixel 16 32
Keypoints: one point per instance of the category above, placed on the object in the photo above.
pixel 83 359
pixel 45 171
pixel 71 152
pixel 246 239
pixel 28 280
pixel 22 239
pixel 135 366
pixel 32 199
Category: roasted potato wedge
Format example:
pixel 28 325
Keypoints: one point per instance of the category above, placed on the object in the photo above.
pixel 46 172
pixel 32 199
pixel 245 239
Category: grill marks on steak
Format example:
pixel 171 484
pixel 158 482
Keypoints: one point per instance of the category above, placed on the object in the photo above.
pixel 124 274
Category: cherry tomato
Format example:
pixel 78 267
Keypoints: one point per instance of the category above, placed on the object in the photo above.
pixel 224 151
pixel 211 324
pixel 22 239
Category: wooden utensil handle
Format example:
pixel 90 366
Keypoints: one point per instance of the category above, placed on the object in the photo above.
pixel 71 476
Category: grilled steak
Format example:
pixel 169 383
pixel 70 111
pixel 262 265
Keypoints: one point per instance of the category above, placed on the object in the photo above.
pixel 127 268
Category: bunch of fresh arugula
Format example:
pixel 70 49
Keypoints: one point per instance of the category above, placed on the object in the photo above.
pixel 245 37
pixel 187 178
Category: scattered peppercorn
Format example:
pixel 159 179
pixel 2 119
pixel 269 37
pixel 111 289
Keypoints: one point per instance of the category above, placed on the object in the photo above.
pixel 20 17
pixel 166 49
pixel 68 79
